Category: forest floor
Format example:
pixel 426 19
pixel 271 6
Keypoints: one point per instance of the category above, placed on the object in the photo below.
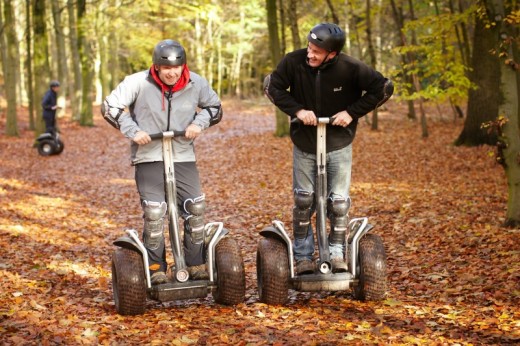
pixel 453 270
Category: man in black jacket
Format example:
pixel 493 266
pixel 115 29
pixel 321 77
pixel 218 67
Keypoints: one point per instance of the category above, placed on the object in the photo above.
pixel 50 105
pixel 320 81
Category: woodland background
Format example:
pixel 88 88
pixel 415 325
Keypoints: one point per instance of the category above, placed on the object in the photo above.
pixel 436 169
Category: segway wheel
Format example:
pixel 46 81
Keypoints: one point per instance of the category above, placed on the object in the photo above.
pixel 128 282
pixel 372 269
pixel 46 147
pixel 272 271
pixel 59 146
pixel 231 278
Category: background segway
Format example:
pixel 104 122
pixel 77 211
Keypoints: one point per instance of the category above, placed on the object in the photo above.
pixel 46 147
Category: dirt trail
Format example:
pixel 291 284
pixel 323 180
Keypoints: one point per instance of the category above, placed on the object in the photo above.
pixel 453 271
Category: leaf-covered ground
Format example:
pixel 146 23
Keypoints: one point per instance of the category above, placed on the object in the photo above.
pixel 453 271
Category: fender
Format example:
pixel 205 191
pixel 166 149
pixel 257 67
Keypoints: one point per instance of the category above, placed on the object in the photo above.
pixel 127 243
pixel 131 242
pixel 277 231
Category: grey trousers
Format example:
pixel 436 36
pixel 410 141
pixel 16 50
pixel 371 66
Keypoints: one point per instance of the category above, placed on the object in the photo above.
pixel 149 178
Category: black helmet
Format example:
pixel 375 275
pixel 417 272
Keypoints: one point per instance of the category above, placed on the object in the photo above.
pixel 54 83
pixel 169 52
pixel 327 36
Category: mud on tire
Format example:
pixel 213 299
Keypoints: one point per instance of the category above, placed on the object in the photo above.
pixel 272 271
pixel 128 282
pixel 372 269
pixel 231 279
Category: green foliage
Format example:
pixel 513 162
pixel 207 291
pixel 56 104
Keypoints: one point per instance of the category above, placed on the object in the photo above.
pixel 435 59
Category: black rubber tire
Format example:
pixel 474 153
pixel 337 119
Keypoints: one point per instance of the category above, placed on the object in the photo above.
pixel 59 147
pixel 46 147
pixel 128 282
pixel 272 271
pixel 372 269
pixel 231 277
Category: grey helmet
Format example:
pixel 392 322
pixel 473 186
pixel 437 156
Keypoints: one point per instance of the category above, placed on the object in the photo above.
pixel 169 52
pixel 327 36
pixel 54 83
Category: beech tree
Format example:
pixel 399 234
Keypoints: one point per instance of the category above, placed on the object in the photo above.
pixel 505 16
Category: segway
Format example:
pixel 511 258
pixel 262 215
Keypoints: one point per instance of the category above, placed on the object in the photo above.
pixel 365 252
pixel 131 281
pixel 49 144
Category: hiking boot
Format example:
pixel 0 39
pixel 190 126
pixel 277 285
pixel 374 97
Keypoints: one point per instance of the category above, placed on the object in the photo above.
pixel 158 278
pixel 198 272
pixel 304 267
pixel 339 265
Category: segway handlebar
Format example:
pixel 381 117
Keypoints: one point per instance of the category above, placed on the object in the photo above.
pixel 170 134
pixel 322 120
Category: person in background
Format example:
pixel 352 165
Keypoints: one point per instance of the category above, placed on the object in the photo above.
pixel 166 97
pixel 321 81
pixel 50 105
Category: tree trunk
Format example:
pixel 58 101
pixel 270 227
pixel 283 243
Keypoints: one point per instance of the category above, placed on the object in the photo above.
pixel 333 14
pixel 397 13
pixel 292 16
pixel 40 61
pixel 282 122
pixel 29 64
pixel 62 58
pixel 372 54
pixel 10 61
pixel 76 87
pixel 87 68
pixel 283 45
pixel 483 101
pixel 508 108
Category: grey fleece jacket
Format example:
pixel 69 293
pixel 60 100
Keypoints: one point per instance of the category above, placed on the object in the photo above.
pixel 146 109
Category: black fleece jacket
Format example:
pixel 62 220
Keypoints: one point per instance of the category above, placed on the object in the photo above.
pixel 344 83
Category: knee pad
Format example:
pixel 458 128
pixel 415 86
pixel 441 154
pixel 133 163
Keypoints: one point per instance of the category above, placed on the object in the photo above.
pixel 337 208
pixel 194 221
pixel 303 201
pixel 153 235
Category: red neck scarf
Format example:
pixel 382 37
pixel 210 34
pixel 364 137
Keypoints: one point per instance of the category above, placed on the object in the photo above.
pixel 181 83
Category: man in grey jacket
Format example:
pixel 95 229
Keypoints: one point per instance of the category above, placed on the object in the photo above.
pixel 166 97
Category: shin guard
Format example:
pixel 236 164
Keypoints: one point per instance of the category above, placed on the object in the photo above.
pixel 338 213
pixel 153 235
pixel 302 212
pixel 194 224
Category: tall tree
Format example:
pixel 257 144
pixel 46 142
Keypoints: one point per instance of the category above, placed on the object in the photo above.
pixel 10 64
pixel 292 17
pixel 75 62
pixel 60 48
pixel 40 60
pixel 406 58
pixel 28 63
pixel 87 65
pixel 282 123
pixel 505 17
pixel 483 99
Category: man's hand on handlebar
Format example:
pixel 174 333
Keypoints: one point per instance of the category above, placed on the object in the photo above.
pixel 341 119
pixel 307 117
pixel 141 138
pixel 193 131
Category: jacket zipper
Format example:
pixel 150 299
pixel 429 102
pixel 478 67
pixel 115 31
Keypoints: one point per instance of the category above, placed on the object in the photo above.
pixel 169 97
pixel 318 94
